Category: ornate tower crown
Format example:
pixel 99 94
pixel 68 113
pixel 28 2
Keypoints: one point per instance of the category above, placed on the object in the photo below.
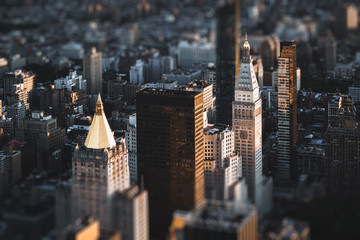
pixel 100 135
pixel 99 106
pixel 246 43
pixel 246 51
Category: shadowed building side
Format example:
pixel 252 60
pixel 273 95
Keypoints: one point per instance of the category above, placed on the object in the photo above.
pixel 170 152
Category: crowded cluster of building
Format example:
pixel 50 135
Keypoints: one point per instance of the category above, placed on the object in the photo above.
pixel 147 120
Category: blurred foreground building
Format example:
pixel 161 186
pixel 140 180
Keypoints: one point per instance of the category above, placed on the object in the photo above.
pixel 237 222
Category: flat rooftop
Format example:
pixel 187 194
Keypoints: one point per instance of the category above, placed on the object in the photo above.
pixel 157 91
pixel 216 129
pixel 220 216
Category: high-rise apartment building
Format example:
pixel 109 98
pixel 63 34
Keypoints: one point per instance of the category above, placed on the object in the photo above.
pixel 130 213
pixel 45 136
pixel 247 124
pixel 130 137
pixel 287 111
pixel 17 112
pixel 137 73
pixel 298 79
pixel 259 71
pixel 195 53
pixel 10 169
pixel 170 152
pixel 330 54
pixel 222 165
pixel 269 52
pixel 70 81
pixel 228 54
pixel 342 141
pixel 158 66
pixel 208 97
pixel 92 68
pixel 99 168
pixel 346 16
pixel 18 94
pixel 18 77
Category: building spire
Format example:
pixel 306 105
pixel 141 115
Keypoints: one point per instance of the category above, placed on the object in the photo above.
pixel 246 51
pixel 246 43
pixel 100 135
pixel 99 106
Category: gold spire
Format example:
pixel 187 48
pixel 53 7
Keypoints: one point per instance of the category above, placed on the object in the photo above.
pixel 246 43
pixel 100 135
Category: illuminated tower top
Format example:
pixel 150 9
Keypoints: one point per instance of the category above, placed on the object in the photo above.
pixel 100 135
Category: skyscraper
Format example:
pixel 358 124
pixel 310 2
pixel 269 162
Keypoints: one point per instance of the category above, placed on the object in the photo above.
pixel 222 165
pixel 44 134
pixel 330 54
pixel 287 110
pixel 227 61
pixel 18 77
pixel 99 168
pixel 170 152
pixel 130 137
pixel 342 140
pixel 100 185
pixel 92 67
pixel 247 124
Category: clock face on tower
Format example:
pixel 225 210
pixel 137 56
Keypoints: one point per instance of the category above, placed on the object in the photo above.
pixel 243 134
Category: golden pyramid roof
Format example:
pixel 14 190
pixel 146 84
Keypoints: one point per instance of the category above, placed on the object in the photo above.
pixel 100 135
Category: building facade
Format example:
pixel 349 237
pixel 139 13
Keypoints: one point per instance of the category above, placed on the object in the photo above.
pixel 70 81
pixel 18 77
pixel 130 213
pixel 342 141
pixel 131 145
pixel 237 223
pixel 228 57
pixel 195 53
pixel 45 136
pixel 208 97
pixel 222 165
pixel 137 73
pixel 92 68
pixel 287 111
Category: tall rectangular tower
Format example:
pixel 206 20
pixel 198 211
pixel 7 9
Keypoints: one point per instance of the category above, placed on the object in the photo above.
pixel 92 67
pixel 130 137
pixel 227 61
pixel 287 110
pixel 170 152
pixel 247 124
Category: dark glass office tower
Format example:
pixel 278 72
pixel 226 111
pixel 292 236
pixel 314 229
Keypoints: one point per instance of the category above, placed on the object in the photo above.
pixel 228 53
pixel 170 153
pixel 287 110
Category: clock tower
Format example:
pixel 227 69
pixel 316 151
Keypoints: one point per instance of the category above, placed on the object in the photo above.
pixel 247 124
